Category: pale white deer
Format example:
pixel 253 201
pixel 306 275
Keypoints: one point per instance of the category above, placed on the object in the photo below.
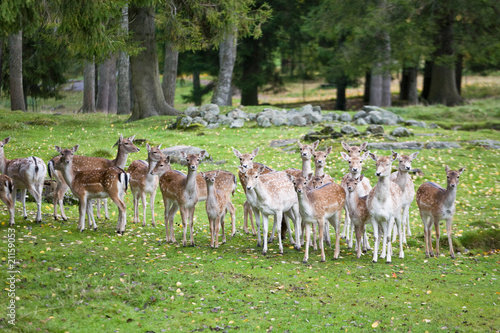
pixel 355 169
pixel 27 174
pixel 358 212
pixel 246 161
pixel 384 206
pixel 81 163
pixel 179 191
pixel 351 151
pixel 92 184
pixel 142 182
pixel 216 207
pixel 6 188
pixel 403 179
pixel 317 206
pixel 435 204
pixel 271 194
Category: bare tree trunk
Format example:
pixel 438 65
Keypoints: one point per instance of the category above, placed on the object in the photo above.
pixel 227 58
pixel 376 86
pixel 459 67
pixel 170 73
pixel 408 86
pixel 366 92
pixel 102 104
pixel 427 79
pixel 386 75
pixel 443 89
pixel 88 88
pixel 1 64
pixel 16 72
pixel 123 83
pixel 112 98
pixel 341 101
pixel 147 93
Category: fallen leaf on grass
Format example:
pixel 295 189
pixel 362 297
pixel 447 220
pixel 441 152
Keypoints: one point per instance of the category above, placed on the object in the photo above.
pixel 375 324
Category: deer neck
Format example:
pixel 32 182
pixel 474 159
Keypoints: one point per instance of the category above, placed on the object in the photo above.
pixel 319 171
pixel 211 198
pixel 402 179
pixel 151 166
pixel 3 163
pixel 68 173
pixel 121 157
pixel 383 187
pixel 356 174
pixel 449 196
pixel 190 188
pixel 306 167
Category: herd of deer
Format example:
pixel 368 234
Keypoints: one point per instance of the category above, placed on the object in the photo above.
pixel 305 198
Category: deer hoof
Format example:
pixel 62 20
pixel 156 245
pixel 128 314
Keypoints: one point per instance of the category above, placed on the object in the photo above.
pixel 388 262
pixel 323 260
pixel 304 261
pixel 452 256
pixel 95 229
pixel 374 261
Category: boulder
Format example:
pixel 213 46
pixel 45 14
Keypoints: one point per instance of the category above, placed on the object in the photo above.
pixel 237 123
pixel 175 154
pixel 401 132
pixel 345 117
pixel 263 121
pixel 347 129
pixel 199 120
pixel 359 114
pixel 237 114
pixel 375 129
pixel 416 123
pixel 184 121
pixel 193 112
pixel 360 122
pixel 441 145
pixel 297 120
pixel 279 119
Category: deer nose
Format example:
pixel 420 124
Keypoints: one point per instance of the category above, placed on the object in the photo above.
pixel 407 168
pixel 193 167
pixel 378 174
pixel 245 166
pixel 453 185
pixel 354 169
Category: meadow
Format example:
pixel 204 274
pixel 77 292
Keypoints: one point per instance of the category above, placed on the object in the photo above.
pixel 94 281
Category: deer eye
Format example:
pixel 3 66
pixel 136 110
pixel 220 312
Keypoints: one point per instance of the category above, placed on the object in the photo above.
pixel 251 158
pixel 458 177
pixel 360 162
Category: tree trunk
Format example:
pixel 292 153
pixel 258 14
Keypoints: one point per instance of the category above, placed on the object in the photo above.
pixel 16 72
pixel 112 99
pixel 170 73
pixel 88 88
pixel 427 80
pixel 443 89
pixel 366 93
pixel 227 58
pixel 341 101
pixel 1 65
pixel 123 83
pixel 386 75
pixel 102 104
pixel 459 67
pixel 408 86
pixel 197 95
pixel 376 86
pixel 148 99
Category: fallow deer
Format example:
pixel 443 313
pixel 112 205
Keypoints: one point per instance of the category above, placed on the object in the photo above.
pixel 142 182
pixel 403 179
pixel 306 155
pixel 317 206
pixel 216 207
pixel 81 163
pixel 26 174
pixel 179 191
pixel 355 168
pixel 435 204
pixel 6 188
pixel 271 194
pixel 91 184
pixel 384 206
pixel 358 212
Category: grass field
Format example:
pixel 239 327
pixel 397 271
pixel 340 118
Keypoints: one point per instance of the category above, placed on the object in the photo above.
pixel 96 281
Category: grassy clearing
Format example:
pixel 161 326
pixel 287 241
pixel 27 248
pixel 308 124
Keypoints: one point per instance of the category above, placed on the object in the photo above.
pixel 99 281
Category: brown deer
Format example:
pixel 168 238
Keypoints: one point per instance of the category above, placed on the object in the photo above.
pixel 142 182
pixel 246 162
pixel 306 154
pixel 435 204
pixel 81 163
pixel 384 206
pixel 179 191
pixel 403 179
pixel 91 184
pixel 26 174
pixel 216 207
pixel 6 188
pixel 355 168
pixel 358 212
pixel 318 206
pixel 271 194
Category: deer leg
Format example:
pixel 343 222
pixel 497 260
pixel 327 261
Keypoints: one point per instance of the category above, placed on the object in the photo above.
pixel 438 234
pixel 395 232
pixel 257 222
pixel 336 226
pixel 359 235
pixel 308 240
pixel 216 231
pixel 401 235
pixel 223 227
pixel 321 230
pixel 191 225
pixel 271 237
pixel 184 218
pixel 174 207
pixel 23 202
pixel 351 237
pixel 152 196
pixel 60 193
pixel 82 211
pixel 144 203
pixel 390 227
pixel 448 233
pixel 265 229
pixel 37 195
pixel 211 223
pixel 90 215
pixel 232 210
pixel 278 219
pixel 375 240
pixel 345 222
pixel 98 208
pixel 326 234
pixel 135 197
pixel 407 221
pixel 314 244
pixel 122 220
pixel 55 201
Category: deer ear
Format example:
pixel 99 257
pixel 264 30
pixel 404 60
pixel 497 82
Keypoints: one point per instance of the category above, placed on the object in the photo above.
pixel 446 168
pixel 148 147
pixel 255 151
pixel 315 144
pixel 344 156
pixel 365 156
pixel 413 155
pixel 300 144
pixel 309 177
pixel 217 174
pixel 132 138
pixel 373 156
pixel 394 155
pixel 202 153
pixel 58 149
pixel 262 168
pixel 159 146
pixel 363 146
pixel 183 154
pixel 75 148
pixel 461 170
pixel 345 145
pixel 328 151
pixel 361 177
pixel 292 178
pixel 6 140
pixel 202 174
pixel 236 153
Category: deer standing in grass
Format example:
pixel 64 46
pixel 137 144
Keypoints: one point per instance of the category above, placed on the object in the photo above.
pixel 91 184
pixel 384 206
pixel 403 179
pixel 142 182
pixel 81 163
pixel 216 207
pixel 358 212
pixel 179 191
pixel 27 174
pixel 435 204
pixel 246 162
pixel 317 206
pixel 352 151
pixel 271 194
pixel 6 188
pixel 355 168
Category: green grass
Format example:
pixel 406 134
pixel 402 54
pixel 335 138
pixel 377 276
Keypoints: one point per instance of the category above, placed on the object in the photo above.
pixel 100 281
